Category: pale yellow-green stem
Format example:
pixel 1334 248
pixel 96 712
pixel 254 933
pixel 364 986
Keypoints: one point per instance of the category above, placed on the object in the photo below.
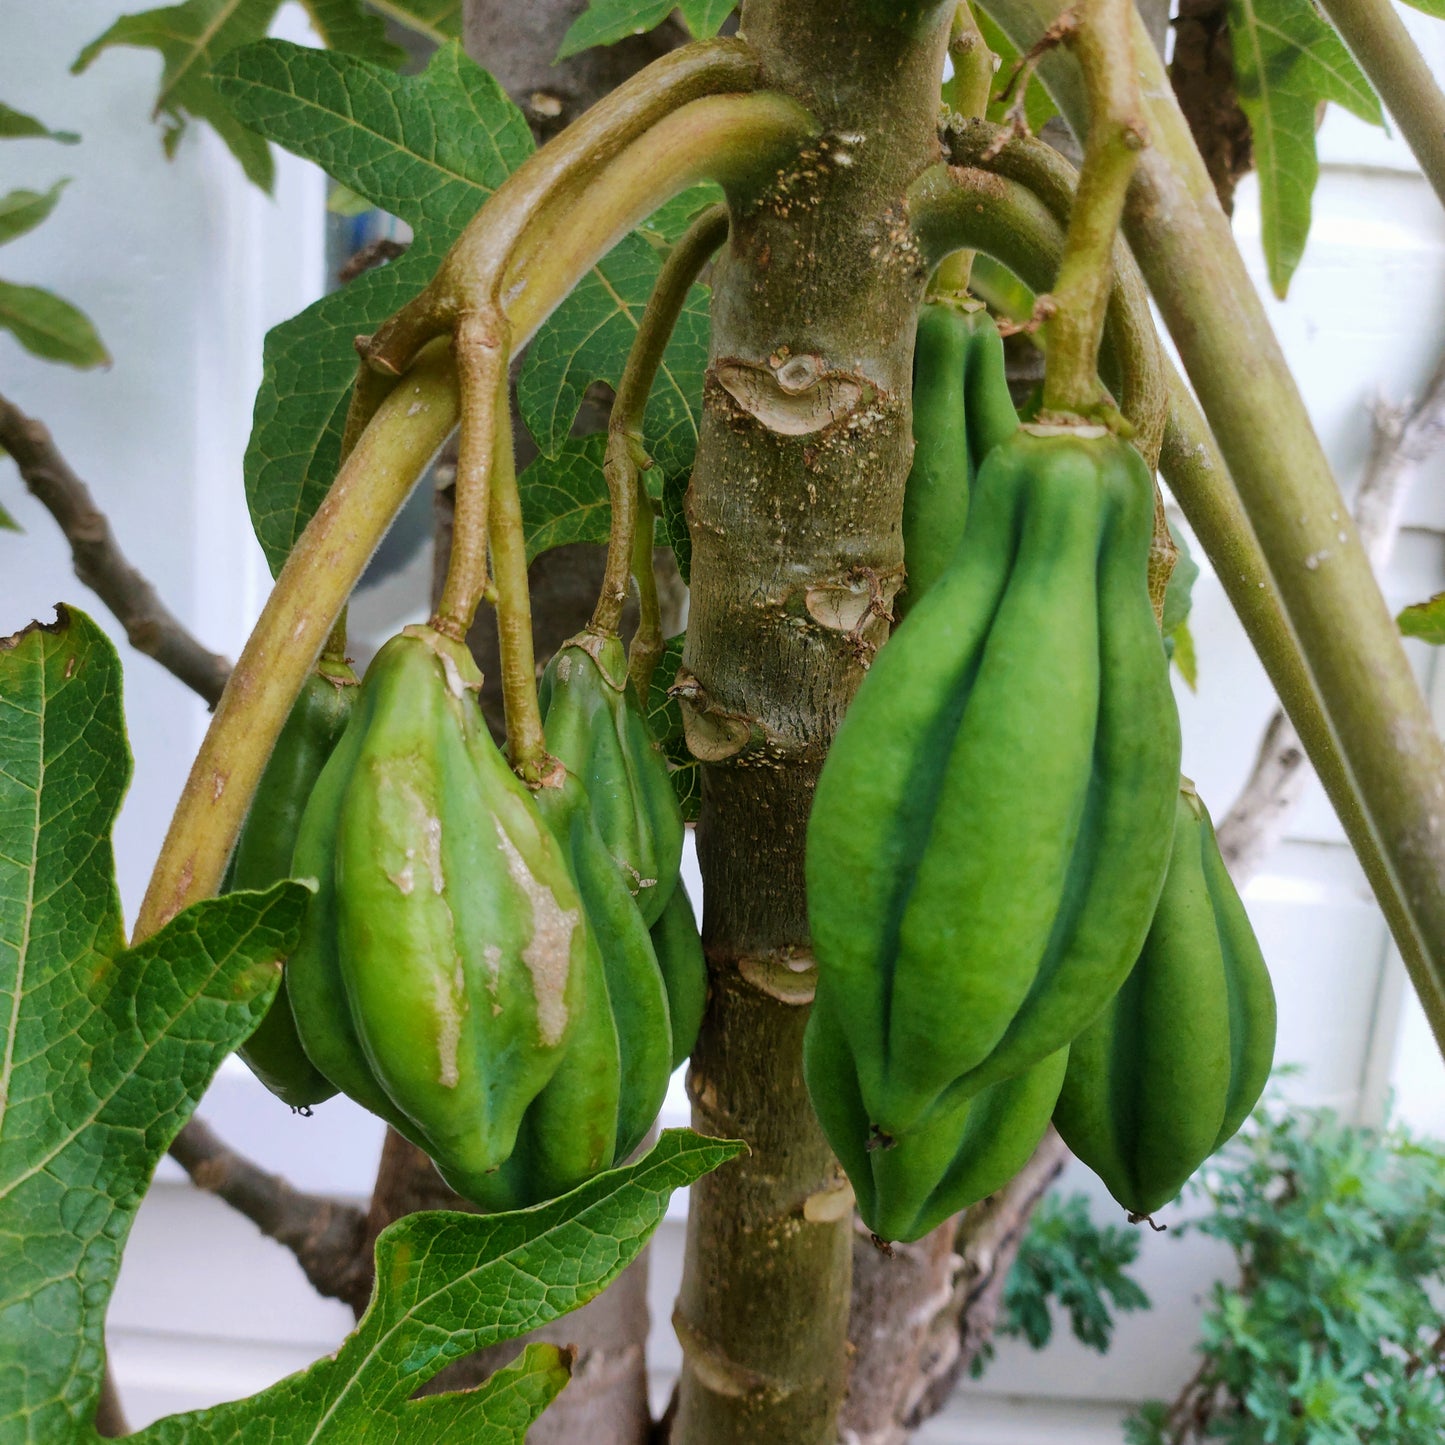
pixel 1378 719
pixel 966 93
pixel 958 205
pixel 526 744
pixel 1374 31
pixel 553 180
pixel 647 642
pixel 1101 38
pixel 334 648
pixel 748 131
pixel 626 457
pixel 730 138
pixel 482 353
pixel 409 427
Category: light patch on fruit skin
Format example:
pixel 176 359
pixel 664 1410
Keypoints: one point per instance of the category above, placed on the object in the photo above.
pixel 548 955
pixel 449 1009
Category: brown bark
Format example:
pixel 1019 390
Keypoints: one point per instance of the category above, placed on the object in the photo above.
pixel 1203 76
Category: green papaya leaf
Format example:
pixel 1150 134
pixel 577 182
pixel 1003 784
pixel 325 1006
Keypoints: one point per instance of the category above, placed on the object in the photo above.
pixel 1287 59
pixel 664 717
pixel 428 148
pixel 565 498
pixel 104 1050
pixel 586 340
pixel 345 25
pixel 17 125
pixel 193 36
pixel 1039 107
pixel 605 22
pixel 438 20
pixel 22 211
pixel 1425 620
pixel 48 326
pixel 449 1284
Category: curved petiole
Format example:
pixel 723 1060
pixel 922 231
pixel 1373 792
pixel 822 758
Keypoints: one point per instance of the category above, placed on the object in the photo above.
pixel 626 458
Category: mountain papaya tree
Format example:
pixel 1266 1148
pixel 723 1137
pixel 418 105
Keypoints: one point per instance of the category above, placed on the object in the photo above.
pixel 955 887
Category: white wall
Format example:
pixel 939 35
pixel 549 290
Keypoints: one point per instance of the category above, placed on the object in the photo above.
pixel 183 266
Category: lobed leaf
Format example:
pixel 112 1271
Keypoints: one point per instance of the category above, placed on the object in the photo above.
pixel 449 1284
pixel 1287 59
pixel 104 1050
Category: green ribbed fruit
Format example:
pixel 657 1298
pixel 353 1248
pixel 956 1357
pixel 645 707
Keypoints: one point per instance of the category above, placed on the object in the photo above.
pixel 263 857
pixel 597 729
pixel 1176 1061
pixel 991 827
pixel 961 411
pixel 444 965
pixel 684 971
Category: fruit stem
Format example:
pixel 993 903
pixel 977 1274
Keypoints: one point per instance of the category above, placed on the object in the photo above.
pixel 485 444
pixel 1101 38
pixel 526 744
pixel 309 594
pixel 626 457
pixel 966 93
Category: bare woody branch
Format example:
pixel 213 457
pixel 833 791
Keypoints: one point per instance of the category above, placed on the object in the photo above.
pixel 150 625
pixel 1403 437
pixel 327 1237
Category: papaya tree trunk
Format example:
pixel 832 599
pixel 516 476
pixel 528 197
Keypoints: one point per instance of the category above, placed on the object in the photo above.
pixel 794 510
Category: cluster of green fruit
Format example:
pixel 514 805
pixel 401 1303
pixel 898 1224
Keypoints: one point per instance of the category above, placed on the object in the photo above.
pixel 1018 911
pixel 507 977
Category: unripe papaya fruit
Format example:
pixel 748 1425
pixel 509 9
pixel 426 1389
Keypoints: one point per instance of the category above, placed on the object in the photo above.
pixel 961 411
pixel 684 971
pixel 1176 1061
pixel 991 826
pixel 597 729
pixel 443 964
pixel 263 857
pixel 958 1152
pixel 634 995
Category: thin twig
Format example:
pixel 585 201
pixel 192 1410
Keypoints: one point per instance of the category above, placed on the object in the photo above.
pixel 150 626
pixel 1403 438
pixel 326 1236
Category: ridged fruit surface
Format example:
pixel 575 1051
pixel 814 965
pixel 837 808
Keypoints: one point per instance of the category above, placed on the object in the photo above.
pixel 961 411
pixel 992 823
pixel 445 959
pixel 1176 1061
pixel 597 728
pixel 263 856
